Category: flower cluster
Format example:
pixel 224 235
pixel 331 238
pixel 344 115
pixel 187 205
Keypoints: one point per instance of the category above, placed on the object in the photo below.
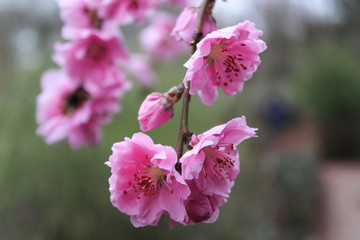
pixel 149 179
pixel 145 182
pixel 83 95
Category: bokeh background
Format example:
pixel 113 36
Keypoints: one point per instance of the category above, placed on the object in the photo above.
pixel 300 179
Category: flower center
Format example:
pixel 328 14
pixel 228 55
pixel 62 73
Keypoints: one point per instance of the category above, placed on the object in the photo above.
pixel 95 51
pixel 227 61
pixel 220 160
pixel 94 18
pixel 145 182
pixel 76 100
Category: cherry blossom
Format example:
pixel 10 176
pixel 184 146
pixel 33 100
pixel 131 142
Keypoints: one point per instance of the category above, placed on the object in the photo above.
pixel 144 183
pixel 125 11
pixel 225 58
pixel 186 24
pixel 82 15
pixel 91 55
pixel 156 39
pixel 213 163
pixel 67 109
pixel 140 68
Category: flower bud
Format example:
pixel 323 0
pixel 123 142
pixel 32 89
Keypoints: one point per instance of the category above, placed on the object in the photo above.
pixel 157 108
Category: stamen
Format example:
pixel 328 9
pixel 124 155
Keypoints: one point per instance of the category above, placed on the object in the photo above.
pixel 171 190
pixel 145 182
pixel 219 162
pixel 227 65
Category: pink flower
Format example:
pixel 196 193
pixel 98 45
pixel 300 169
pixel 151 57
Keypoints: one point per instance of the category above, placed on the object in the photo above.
pixel 157 108
pixel 71 110
pixel 213 163
pixel 139 67
pixel 125 11
pixel 91 55
pixel 144 183
pixel 224 58
pixel 201 207
pixel 186 24
pixel 156 39
pixel 82 15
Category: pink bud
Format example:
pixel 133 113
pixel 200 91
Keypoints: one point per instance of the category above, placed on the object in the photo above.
pixel 157 108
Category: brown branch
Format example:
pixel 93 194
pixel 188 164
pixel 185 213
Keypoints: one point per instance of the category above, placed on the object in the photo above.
pixel 184 133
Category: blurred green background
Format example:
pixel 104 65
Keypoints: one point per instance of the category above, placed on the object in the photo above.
pixel 304 99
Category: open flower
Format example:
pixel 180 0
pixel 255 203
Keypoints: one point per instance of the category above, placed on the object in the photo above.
pixel 91 55
pixel 140 68
pixel 156 39
pixel 82 15
pixel 213 163
pixel 225 58
pixel 144 183
pixel 125 11
pixel 67 109
pixel 186 24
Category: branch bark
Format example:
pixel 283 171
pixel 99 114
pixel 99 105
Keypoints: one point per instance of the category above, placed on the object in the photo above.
pixel 184 132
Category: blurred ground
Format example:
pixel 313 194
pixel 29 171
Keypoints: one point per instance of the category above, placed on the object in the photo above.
pixel 342 200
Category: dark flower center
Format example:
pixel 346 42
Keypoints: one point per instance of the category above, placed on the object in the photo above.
pixel 76 100
pixel 96 51
pixel 94 18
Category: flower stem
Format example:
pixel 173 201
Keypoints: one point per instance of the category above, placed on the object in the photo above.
pixel 184 133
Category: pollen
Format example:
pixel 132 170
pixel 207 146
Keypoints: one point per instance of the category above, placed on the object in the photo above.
pixel 227 63
pixel 147 181
pixel 220 161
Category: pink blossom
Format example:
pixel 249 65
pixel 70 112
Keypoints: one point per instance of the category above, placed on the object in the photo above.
pixel 152 114
pixel 125 11
pixel 82 15
pixel 156 39
pixel 224 58
pixel 201 207
pixel 91 55
pixel 139 67
pixel 213 162
pixel 186 24
pixel 71 110
pixel 157 108
pixel 144 183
